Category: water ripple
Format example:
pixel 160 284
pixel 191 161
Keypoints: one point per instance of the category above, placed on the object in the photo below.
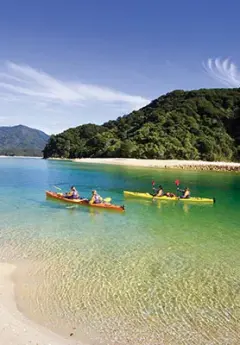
pixel 128 295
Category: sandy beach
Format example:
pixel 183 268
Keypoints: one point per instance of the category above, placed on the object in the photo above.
pixel 15 329
pixel 152 163
pixel 164 164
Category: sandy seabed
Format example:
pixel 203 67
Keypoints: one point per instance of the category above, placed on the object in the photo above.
pixel 15 328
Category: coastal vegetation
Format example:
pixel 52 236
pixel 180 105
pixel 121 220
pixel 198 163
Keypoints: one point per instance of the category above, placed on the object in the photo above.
pixel 200 124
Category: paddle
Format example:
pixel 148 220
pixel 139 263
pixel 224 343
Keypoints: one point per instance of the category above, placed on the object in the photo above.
pixel 153 185
pixel 154 189
pixel 107 199
pixel 57 187
pixel 177 183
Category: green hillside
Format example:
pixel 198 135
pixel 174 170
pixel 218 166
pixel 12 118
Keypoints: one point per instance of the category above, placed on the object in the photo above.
pixel 200 124
pixel 22 141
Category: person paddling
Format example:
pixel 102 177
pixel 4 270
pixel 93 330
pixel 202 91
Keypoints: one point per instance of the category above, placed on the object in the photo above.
pixel 96 198
pixel 159 192
pixel 73 194
pixel 185 193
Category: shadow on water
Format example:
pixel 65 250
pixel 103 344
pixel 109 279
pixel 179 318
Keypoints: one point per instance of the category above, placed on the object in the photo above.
pixel 54 204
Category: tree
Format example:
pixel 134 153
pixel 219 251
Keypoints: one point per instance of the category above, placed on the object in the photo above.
pixel 199 124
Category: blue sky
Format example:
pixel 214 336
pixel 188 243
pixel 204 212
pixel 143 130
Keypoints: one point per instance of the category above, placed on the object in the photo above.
pixel 65 63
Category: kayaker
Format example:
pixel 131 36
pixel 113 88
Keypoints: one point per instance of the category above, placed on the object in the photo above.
pixel 96 198
pixel 73 194
pixel 159 192
pixel 185 193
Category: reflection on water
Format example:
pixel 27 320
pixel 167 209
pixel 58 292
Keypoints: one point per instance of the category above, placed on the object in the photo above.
pixel 162 273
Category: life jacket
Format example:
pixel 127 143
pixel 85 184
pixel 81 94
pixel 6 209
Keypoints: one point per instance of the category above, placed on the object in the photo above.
pixel 158 190
pixel 97 199
pixel 188 195
pixel 75 194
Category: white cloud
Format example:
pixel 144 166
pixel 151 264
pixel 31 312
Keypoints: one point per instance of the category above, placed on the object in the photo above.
pixel 37 86
pixel 39 100
pixel 224 71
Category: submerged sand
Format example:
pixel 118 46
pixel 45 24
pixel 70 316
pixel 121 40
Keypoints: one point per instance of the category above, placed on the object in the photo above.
pixel 15 329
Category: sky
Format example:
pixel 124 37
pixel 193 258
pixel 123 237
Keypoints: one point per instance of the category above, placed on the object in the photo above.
pixel 66 63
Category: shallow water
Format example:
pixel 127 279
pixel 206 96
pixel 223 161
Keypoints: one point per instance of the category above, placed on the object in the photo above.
pixel 162 273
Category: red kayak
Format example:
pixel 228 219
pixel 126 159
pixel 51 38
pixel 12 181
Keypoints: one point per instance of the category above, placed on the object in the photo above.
pixel 60 197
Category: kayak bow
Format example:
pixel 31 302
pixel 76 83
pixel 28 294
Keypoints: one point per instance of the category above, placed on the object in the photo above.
pixel 60 197
pixel 175 198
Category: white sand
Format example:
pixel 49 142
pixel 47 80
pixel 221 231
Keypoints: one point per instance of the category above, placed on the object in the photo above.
pixel 15 329
pixel 152 163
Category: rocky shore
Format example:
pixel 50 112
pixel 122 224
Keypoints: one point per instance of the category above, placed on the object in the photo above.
pixel 222 168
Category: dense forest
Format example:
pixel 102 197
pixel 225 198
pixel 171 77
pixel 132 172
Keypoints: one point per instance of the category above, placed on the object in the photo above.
pixel 22 141
pixel 201 124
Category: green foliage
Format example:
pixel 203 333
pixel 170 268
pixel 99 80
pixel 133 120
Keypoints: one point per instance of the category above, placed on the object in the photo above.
pixel 22 141
pixel 199 124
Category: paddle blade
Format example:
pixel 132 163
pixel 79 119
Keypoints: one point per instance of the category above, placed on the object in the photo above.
pixel 107 199
pixel 57 187
pixel 177 183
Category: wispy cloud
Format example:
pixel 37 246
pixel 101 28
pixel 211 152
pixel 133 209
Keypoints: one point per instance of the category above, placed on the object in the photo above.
pixel 224 71
pixel 33 85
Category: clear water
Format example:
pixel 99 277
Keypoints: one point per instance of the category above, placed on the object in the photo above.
pixel 162 273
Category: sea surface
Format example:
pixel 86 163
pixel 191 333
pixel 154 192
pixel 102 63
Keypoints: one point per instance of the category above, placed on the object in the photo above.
pixel 162 273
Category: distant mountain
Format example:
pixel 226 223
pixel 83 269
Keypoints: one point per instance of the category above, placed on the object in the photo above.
pixel 22 141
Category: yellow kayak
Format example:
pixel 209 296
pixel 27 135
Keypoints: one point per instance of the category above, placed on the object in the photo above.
pixel 174 198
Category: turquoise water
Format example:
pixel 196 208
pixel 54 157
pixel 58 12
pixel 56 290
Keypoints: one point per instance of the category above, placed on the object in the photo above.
pixel 162 273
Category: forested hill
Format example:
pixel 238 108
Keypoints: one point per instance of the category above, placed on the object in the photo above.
pixel 200 124
pixel 22 141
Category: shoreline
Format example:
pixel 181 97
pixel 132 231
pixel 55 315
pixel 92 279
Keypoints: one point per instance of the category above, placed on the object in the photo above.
pixel 161 164
pixel 32 157
pixel 15 328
